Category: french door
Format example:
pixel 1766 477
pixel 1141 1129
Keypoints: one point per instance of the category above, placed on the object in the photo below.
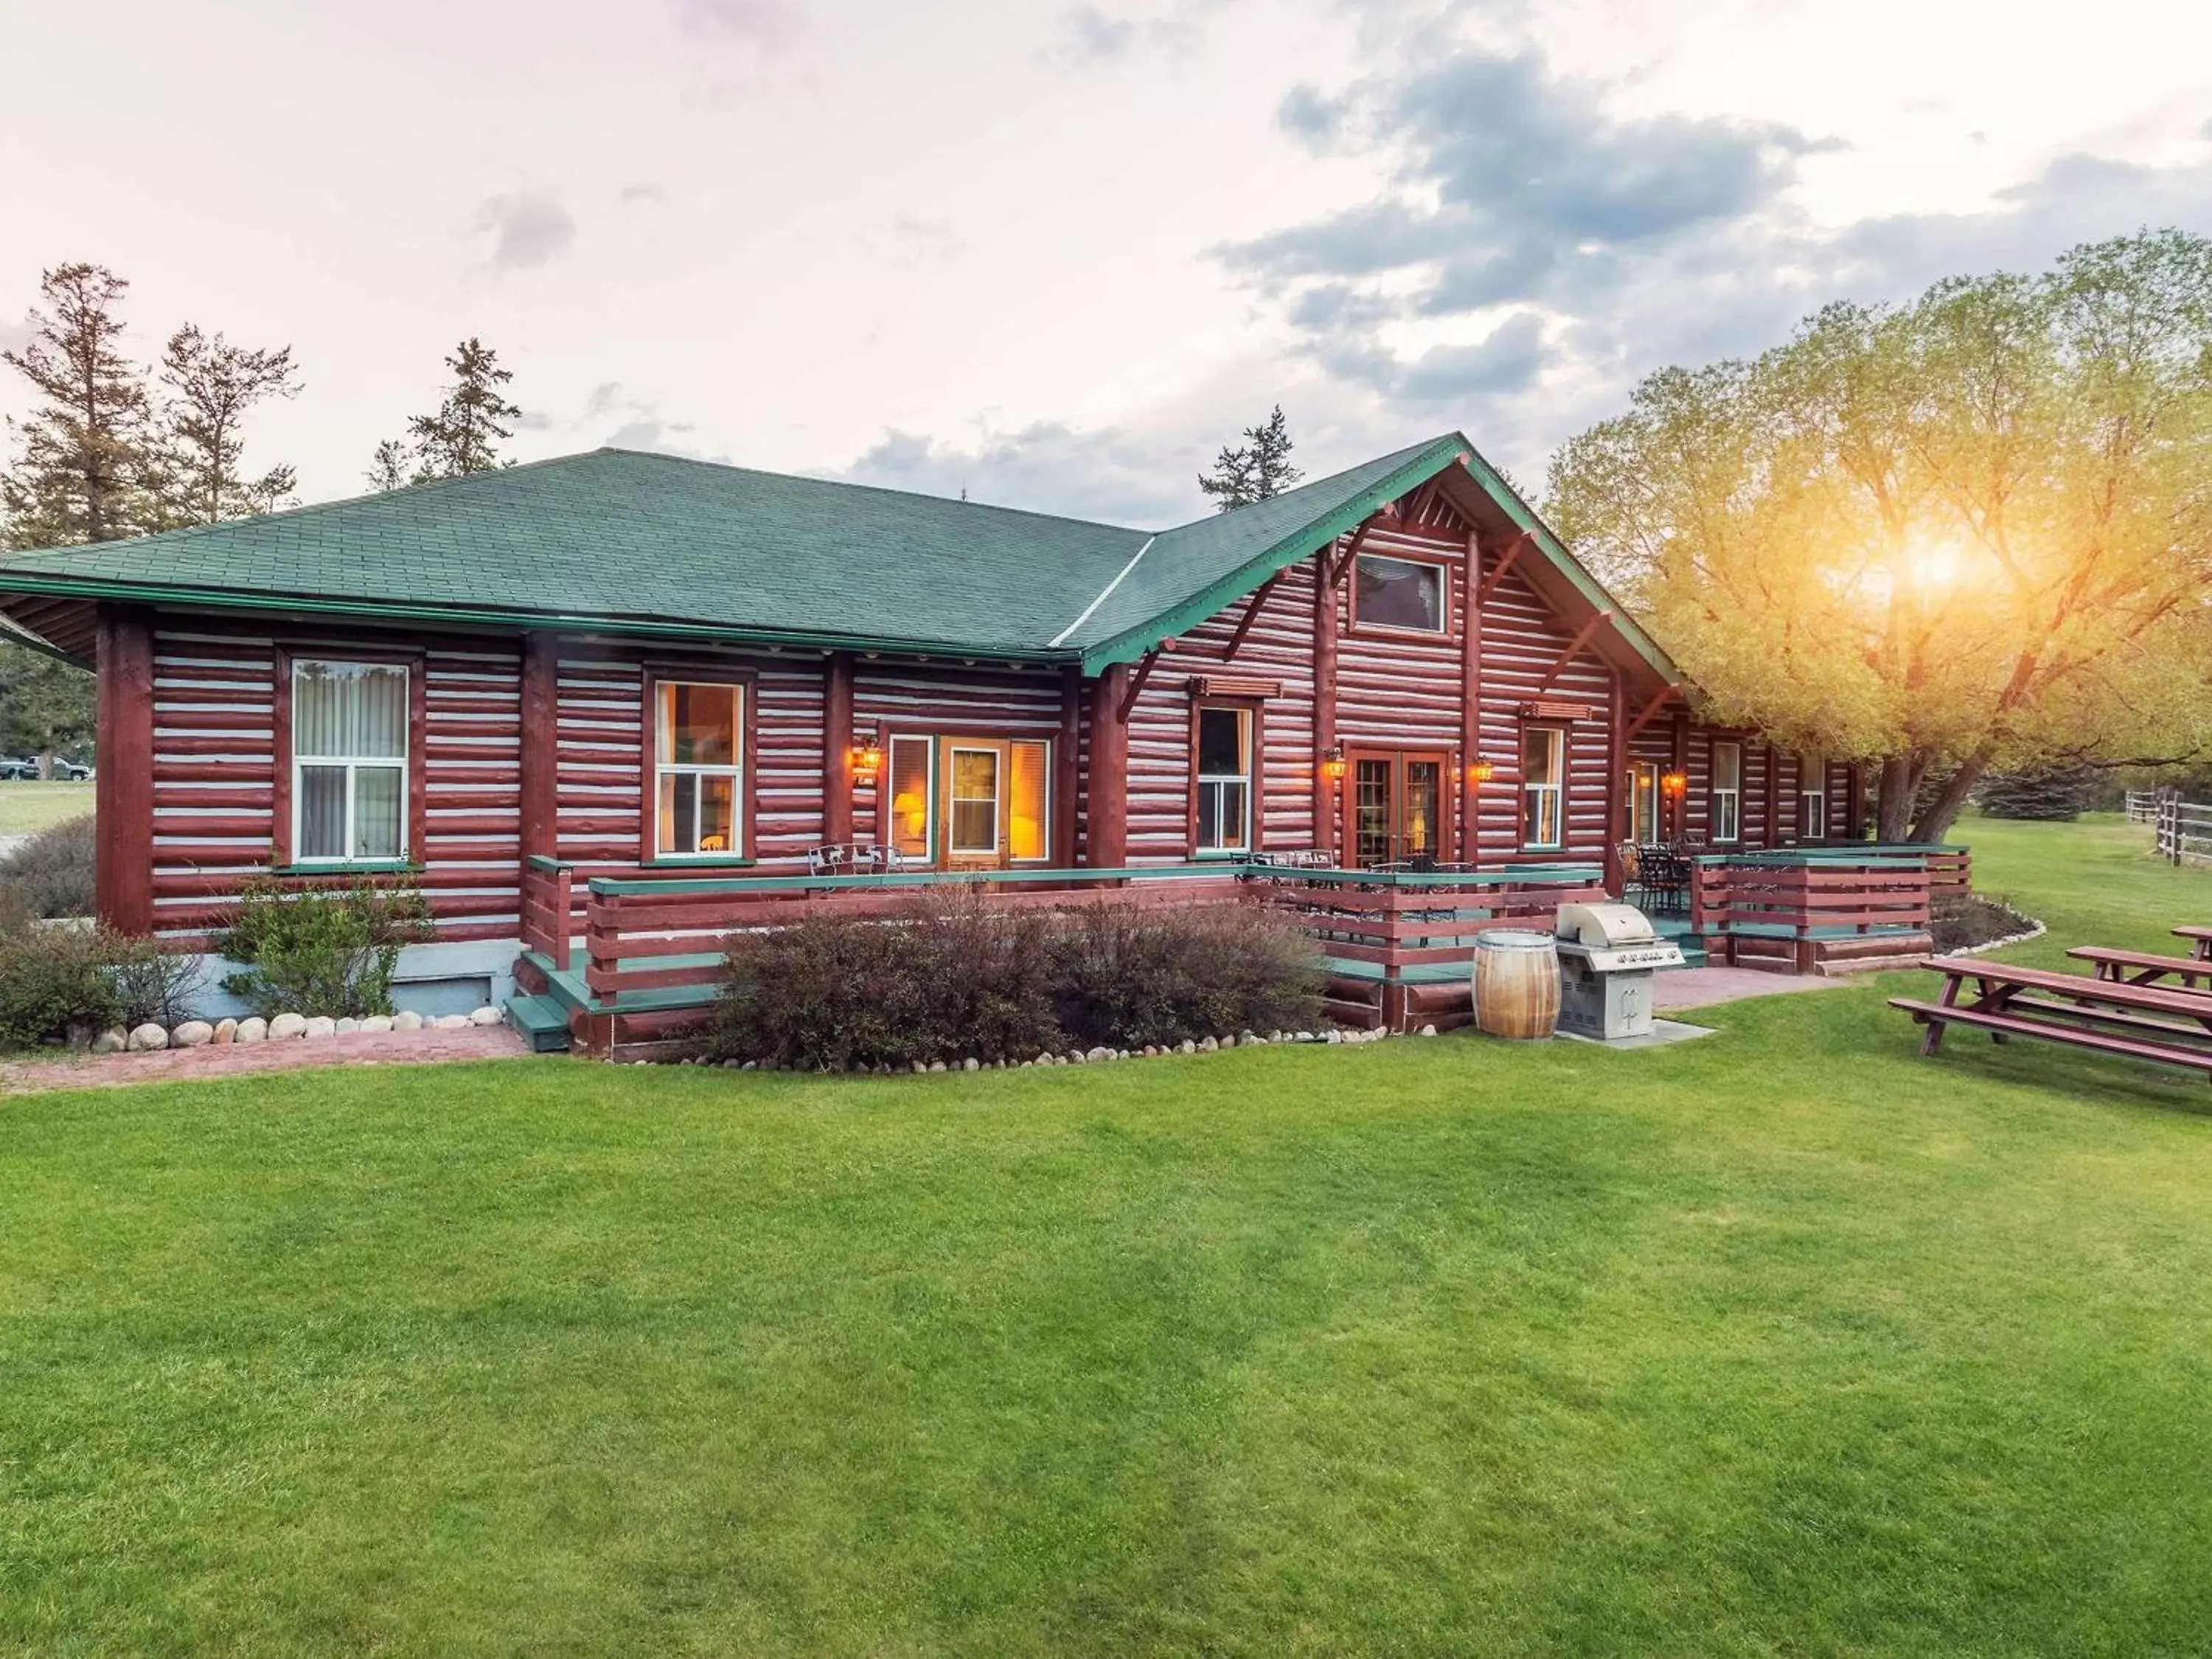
pixel 1642 781
pixel 1395 807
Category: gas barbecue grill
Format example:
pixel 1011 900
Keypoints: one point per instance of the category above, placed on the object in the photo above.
pixel 1607 954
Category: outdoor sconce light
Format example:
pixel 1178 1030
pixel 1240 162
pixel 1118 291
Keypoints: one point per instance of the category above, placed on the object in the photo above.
pixel 1675 783
pixel 1480 772
pixel 866 760
pixel 1332 763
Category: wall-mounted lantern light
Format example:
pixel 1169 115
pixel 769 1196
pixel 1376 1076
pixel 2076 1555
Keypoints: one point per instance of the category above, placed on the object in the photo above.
pixel 866 759
pixel 1675 783
pixel 1480 772
pixel 1332 763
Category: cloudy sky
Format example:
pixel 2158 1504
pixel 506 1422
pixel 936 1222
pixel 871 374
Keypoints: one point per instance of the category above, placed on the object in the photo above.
pixel 1055 254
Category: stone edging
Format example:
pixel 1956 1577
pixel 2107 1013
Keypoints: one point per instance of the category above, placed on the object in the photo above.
pixel 2036 931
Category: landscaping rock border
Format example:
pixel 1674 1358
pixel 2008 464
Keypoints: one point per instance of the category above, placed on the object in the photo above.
pixel 151 1038
pixel 1334 1037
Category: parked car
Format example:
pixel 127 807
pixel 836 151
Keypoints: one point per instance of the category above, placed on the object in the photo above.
pixel 14 770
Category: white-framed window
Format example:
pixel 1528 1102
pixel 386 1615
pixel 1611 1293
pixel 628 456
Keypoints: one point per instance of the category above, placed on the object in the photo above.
pixel 1405 593
pixel 699 758
pixel 913 811
pixel 1813 797
pixel 349 762
pixel 1643 802
pixel 972 792
pixel 1727 790
pixel 1223 779
pixel 1543 788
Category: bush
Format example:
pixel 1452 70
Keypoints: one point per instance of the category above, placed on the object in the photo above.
pixel 321 950
pixel 941 980
pixel 1126 976
pixel 50 874
pixel 953 977
pixel 55 985
pixel 153 984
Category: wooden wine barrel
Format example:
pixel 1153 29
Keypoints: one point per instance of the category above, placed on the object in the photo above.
pixel 1517 983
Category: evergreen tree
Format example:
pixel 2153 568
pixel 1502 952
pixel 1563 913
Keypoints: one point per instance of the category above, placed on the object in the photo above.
pixel 213 384
pixel 45 705
pixel 387 470
pixel 84 467
pixel 1255 470
pixel 2054 792
pixel 462 436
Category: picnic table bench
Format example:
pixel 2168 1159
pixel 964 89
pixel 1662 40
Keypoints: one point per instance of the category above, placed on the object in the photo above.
pixel 2142 967
pixel 2142 1022
pixel 2201 939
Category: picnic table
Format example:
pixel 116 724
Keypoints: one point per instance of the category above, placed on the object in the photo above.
pixel 2142 967
pixel 2110 1016
pixel 2202 938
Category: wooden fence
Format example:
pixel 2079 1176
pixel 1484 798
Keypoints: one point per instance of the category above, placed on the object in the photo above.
pixel 1823 911
pixel 2184 830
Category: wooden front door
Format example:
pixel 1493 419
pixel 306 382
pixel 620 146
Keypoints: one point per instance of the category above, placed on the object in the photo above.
pixel 992 805
pixel 1397 807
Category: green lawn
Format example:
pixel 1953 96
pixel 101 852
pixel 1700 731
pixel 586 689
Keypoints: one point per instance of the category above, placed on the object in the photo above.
pixel 25 807
pixel 1785 1341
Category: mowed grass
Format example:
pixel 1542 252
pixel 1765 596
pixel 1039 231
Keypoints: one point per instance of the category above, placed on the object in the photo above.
pixel 27 808
pixel 1785 1341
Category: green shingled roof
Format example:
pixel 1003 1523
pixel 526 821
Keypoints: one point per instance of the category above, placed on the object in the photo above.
pixel 620 540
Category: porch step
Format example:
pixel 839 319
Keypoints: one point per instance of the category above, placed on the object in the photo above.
pixel 1677 928
pixel 543 1021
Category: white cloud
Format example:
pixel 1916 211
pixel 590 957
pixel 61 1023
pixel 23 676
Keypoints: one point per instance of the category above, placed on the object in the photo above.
pixel 527 228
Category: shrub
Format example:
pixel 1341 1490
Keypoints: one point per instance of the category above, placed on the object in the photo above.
pixel 326 950
pixel 50 874
pixel 1126 976
pixel 954 976
pixel 55 986
pixel 152 983
pixel 943 980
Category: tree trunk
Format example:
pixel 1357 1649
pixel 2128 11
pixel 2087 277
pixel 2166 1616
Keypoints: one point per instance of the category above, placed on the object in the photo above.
pixel 1894 819
pixel 1943 811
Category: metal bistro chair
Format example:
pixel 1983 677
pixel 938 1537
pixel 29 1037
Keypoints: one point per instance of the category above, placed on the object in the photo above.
pixel 850 858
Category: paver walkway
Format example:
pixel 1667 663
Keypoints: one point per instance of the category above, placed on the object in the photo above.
pixel 172 1065
pixel 1700 988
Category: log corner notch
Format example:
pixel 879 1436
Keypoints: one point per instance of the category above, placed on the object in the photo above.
pixel 122 789
pixel 541 745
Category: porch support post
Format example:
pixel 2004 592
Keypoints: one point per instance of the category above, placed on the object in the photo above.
pixel 1616 763
pixel 1773 796
pixel 541 745
pixel 1067 767
pixel 123 786
pixel 1324 700
pixel 1682 765
pixel 837 748
pixel 1109 824
pixel 1855 800
pixel 1470 713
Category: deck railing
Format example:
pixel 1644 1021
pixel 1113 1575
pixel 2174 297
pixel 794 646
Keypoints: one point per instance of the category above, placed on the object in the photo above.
pixel 1805 910
pixel 653 949
pixel 549 909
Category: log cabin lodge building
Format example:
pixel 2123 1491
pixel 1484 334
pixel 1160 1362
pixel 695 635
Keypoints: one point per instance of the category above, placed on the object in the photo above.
pixel 632 666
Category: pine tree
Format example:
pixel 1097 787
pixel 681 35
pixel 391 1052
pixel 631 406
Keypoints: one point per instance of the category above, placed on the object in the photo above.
pixel 1255 470
pixel 213 386
pixel 388 468
pixel 2058 792
pixel 85 467
pixel 462 436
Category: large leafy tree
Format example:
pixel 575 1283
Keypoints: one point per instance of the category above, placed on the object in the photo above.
pixel 1972 531
pixel 213 385
pixel 464 435
pixel 1254 470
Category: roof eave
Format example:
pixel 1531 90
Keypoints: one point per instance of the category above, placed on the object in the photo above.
pixel 23 581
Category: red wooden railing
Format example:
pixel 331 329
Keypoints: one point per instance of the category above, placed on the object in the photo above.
pixel 654 950
pixel 549 909
pixel 1800 911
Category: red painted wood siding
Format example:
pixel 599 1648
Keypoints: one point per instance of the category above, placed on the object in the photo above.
pixel 214 776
